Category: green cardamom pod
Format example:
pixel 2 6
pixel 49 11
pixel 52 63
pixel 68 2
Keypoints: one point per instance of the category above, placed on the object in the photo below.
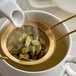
pixel 38 49
pixel 27 41
pixel 14 51
pixel 22 37
pixel 32 52
pixel 25 50
pixel 35 42
pixel 43 42
pixel 24 56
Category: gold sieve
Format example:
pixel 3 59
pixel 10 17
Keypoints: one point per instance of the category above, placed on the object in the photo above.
pixel 45 29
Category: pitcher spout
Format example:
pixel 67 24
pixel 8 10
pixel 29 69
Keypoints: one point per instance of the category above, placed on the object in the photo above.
pixel 12 11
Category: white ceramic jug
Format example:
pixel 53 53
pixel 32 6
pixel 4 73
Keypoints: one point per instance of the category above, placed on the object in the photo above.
pixel 10 10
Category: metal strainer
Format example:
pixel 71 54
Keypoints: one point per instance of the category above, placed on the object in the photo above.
pixel 45 29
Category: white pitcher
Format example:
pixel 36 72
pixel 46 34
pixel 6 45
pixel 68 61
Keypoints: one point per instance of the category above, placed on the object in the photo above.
pixel 10 10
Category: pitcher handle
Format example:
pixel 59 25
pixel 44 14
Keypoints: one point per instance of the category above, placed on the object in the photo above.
pixel 68 70
pixel 33 3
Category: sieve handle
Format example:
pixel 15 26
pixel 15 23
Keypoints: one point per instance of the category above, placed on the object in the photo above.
pixel 62 21
pixel 3 57
pixel 65 35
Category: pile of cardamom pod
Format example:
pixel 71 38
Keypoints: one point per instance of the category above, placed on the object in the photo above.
pixel 25 47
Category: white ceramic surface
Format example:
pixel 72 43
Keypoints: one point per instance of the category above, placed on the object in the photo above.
pixel 63 66
pixel 11 10
pixel 42 3
pixel 67 5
